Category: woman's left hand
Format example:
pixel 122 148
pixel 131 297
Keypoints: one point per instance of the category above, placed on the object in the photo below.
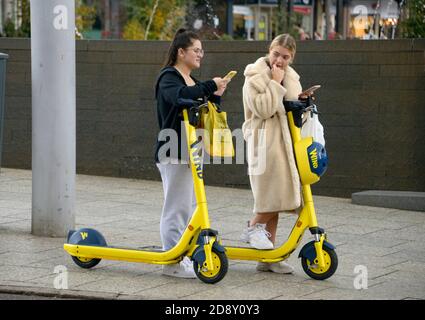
pixel 221 88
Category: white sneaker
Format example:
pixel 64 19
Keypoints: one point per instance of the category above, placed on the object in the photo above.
pixel 278 267
pixel 244 236
pixel 257 236
pixel 184 269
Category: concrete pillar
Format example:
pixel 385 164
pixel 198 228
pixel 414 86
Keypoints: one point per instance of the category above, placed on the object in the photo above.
pixel 229 18
pixel 53 116
pixel 328 26
pixel 339 17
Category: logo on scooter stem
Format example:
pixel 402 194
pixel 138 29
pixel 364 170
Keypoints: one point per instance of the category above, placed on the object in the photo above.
pixel 197 161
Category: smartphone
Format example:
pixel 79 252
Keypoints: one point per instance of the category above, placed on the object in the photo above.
pixel 310 90
pixel 230 75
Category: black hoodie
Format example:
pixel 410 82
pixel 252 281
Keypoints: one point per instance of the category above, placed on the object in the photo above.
pixel 170 86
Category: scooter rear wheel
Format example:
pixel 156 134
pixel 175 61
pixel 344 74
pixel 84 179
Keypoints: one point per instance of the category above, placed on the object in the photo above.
pixel 317 273
pixel 221 265
pixel 85 263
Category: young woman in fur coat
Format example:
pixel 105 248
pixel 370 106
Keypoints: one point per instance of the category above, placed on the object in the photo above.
pixel 273 174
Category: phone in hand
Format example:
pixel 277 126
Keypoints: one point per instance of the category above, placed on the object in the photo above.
pixel 230 75
pixel 310 90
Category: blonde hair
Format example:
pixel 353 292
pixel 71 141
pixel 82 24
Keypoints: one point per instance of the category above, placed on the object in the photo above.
pixel 285 40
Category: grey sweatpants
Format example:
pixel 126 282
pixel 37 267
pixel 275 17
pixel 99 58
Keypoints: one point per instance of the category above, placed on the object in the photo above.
pixel 179 202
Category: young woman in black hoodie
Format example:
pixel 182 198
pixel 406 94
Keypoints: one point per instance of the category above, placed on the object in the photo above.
pixel 175 82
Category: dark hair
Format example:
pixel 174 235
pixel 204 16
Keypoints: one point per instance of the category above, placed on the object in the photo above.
pixel 182 39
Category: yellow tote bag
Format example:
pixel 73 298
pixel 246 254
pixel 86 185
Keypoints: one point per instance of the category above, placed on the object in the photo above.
pixel 217 135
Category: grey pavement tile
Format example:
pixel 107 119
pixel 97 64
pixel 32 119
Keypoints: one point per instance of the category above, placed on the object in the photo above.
pixel 412 233
pixel 343 294
pixel 339 281
pixel 396 289
pixel 27 283
pixel 408 216
pixel 21 273
pixel 75 279
pixel 147 199
pixel 96 221
pixel 223 213
pixel 14 258
pixel 404 277
pixel 336 281
pixel 5 221
pixel 16 213
pixel 15 204
pixel 100 205
pixel 412 266
pixel 173 288
pixel 364 249
pixel 298 291
pixel 19 196
pixel 414 256
pixel 356 214
pixel 141 215
pixel 137 211
pixel 376 266
pixel 126 269
pixel 135 239
pixel 120 223
pixel 28 243
pixel 370 239
pixel 126 285
pixel 355 229
pixel 119 209
pixel 328 221
pixel 107 182
pixel 23 187
pixel 258 290
pixel 22 225
pixel 185 289
pixel 332 206
pixel 16 173
pixel 10 212
pixel 381 223
pixel 240 274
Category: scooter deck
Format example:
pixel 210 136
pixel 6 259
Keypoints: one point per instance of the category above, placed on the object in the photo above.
pixel 149 254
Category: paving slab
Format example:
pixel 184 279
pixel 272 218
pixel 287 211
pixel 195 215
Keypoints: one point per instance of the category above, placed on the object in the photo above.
pixel 389 242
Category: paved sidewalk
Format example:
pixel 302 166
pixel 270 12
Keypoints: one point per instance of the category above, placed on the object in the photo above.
pixel 389 243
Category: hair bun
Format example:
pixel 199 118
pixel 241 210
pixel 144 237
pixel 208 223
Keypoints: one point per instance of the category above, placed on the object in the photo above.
pixel 180 31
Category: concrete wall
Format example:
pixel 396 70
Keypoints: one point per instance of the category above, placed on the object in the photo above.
pixel 372 102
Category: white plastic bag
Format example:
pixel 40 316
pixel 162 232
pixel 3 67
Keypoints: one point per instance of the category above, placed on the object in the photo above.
pixel 312 127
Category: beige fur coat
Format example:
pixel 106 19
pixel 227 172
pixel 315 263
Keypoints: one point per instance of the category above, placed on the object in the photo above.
pixel 273 174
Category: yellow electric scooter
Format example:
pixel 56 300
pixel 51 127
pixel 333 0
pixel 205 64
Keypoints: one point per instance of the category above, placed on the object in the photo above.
pixel 318 257
pixel 198 242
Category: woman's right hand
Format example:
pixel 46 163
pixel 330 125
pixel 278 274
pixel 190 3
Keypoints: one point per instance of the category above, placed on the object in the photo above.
pixel 277 74
pixel 221 85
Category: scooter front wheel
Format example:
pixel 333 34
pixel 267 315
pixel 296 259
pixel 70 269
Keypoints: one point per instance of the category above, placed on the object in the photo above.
pixel 85 263
pixel 220 263
pixel 318 273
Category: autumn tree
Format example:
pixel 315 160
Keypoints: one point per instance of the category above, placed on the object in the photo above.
pixel 153 19
pixel 412 24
